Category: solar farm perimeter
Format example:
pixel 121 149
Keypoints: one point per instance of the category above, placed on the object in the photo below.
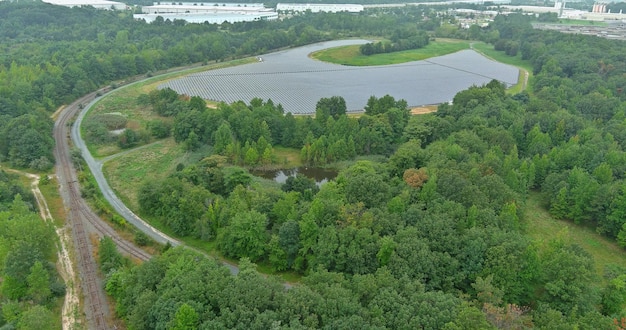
pixel 298 82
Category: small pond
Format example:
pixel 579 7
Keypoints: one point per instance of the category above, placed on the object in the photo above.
pixel 320 175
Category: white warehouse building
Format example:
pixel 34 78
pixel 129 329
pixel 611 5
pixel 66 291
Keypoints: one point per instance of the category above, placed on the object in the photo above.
pixel 98 4
pixel 204 8
pixel 198 12
pixel 316 8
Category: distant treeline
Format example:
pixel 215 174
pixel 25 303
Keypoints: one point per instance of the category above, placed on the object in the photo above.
pixel 401 40
pixel 445 204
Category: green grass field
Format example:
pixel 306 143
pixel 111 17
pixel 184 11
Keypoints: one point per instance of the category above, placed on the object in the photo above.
pixel 55 203
pixel 127 172
pixel 156 161
pixel 542 228
pixel 350 55
pixel 487 50
pixel 151 162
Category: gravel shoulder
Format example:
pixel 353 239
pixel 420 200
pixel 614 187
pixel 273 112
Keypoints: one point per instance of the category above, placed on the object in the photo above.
pixel 65 267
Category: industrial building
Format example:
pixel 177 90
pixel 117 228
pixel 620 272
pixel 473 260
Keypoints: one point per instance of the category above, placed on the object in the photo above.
pixel 599 7
pixel 316 8
pixel 213 13
pixel 203 8
pixel 99 4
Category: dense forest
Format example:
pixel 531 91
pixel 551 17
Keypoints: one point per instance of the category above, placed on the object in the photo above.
pixel 423 230
pixel 29 282
pixel 441 206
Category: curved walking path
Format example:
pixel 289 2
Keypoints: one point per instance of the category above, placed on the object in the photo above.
pixel 95 166
pixel 96 169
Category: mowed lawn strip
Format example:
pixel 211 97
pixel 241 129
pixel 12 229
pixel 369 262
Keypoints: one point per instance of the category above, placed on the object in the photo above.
pixel 350 55
pixel 542 227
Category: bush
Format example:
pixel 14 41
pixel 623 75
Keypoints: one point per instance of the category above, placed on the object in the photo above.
pixel 41 164
pixel 128 139
pixel 112 121
pixel 44 180
pixel 118 220
pixel 58 288
pixel 159 129
pixel 141 238
pixel 97 132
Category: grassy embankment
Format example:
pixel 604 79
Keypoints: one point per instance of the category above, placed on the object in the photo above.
pixel 542 228
pixel 350 55
pixel 50 191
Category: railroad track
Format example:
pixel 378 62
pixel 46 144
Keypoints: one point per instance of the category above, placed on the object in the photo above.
pixel 80 215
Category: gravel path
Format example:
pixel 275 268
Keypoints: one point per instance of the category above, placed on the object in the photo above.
pixel 71 301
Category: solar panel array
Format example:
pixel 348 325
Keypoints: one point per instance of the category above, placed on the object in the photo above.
pixel 298 82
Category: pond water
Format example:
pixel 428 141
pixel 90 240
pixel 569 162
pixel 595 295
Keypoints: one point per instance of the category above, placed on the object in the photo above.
pixel 320 175
pixel 298 82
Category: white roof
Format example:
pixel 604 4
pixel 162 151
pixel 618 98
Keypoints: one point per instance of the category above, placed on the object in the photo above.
pixel 207 17
pixel 77 3
pixel 165 7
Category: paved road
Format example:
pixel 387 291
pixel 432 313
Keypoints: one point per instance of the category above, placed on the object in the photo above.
pixel 96 169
